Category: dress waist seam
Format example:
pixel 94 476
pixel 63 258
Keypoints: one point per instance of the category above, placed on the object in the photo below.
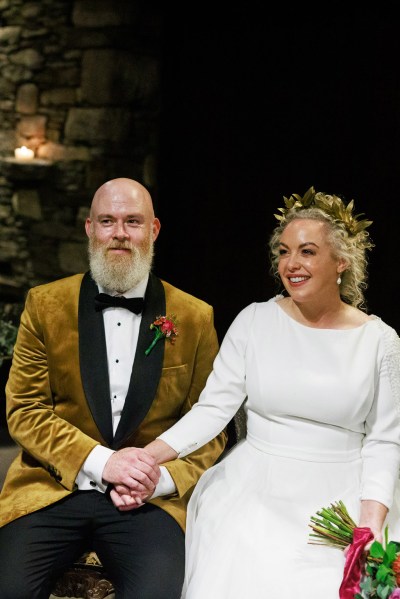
pixel 309 455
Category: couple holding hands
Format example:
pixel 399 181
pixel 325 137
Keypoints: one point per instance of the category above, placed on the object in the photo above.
pixel 120 409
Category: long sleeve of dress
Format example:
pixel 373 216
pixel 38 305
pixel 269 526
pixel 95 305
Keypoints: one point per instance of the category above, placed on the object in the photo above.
pixel 381 450
pixel 222 396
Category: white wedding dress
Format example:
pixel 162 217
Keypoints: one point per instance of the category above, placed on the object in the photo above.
pixel 323 425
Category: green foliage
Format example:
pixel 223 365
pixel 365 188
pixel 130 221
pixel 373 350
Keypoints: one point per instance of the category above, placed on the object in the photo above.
pixel 380 580
pixel 8 335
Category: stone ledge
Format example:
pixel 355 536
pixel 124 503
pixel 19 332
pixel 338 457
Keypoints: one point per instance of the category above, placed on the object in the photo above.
pixel 25 170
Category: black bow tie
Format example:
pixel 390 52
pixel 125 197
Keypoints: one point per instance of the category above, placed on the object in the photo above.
pixel 134 304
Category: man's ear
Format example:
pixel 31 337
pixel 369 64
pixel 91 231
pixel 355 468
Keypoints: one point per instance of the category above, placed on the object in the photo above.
pixel 156 228
pixel 88 226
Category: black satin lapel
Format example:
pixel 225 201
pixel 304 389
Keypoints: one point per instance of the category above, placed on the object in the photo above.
pixel 146 371
pixel 93 358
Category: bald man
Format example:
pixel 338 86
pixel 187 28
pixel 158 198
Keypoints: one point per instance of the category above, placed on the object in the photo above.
pixel 85 395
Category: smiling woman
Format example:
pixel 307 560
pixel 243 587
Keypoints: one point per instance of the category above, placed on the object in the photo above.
pixel 321 382
pixel 318 252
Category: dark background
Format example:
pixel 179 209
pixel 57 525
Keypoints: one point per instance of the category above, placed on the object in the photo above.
pixel 259 105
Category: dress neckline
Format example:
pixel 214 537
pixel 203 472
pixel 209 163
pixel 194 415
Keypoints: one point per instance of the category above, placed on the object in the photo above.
pixel 275 299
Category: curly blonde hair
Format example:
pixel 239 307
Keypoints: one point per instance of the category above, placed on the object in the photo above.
pixel 347 245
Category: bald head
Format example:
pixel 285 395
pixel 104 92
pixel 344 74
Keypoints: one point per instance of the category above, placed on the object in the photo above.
pixel 123 191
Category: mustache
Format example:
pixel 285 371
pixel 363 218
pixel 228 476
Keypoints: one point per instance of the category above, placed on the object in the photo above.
pixel 119 245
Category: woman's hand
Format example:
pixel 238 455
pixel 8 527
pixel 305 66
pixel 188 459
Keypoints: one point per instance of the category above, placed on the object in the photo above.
pixel 125 499
pixel 372 515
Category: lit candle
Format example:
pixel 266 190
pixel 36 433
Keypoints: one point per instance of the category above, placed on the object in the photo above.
pixel 24 153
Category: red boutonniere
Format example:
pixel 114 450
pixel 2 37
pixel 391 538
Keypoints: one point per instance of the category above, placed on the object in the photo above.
pixel 164 326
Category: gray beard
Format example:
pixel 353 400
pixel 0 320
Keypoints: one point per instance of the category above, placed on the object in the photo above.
pixel 119 273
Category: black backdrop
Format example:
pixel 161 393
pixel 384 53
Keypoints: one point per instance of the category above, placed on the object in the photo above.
pixel 255 107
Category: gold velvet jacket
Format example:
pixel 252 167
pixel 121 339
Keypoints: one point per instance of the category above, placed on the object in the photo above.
pixel 58 399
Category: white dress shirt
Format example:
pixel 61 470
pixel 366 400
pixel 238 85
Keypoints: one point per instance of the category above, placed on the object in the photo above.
pixel 122 331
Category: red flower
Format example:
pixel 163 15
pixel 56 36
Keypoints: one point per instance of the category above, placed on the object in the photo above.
pixel 167 327
pixel 164 326
pixel 396 569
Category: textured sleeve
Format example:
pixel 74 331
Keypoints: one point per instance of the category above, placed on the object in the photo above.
pixel 39 419
pixel 381 448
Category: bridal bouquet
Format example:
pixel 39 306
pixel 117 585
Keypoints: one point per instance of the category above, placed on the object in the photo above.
pixel 374 575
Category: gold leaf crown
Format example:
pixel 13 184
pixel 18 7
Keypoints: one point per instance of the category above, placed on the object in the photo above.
pixel 330 204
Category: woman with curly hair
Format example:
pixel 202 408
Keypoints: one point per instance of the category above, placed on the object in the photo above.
pixel 320 378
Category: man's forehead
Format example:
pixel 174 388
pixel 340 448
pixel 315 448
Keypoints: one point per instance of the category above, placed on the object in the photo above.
pixel 119 203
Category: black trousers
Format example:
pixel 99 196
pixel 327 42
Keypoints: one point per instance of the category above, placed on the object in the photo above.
pixel 142 550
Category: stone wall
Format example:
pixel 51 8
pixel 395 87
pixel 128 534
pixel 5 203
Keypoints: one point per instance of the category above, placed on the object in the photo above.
pixel 79 85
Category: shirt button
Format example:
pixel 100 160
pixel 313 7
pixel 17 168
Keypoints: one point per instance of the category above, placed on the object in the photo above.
pixel 92 483
pixel 117 361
